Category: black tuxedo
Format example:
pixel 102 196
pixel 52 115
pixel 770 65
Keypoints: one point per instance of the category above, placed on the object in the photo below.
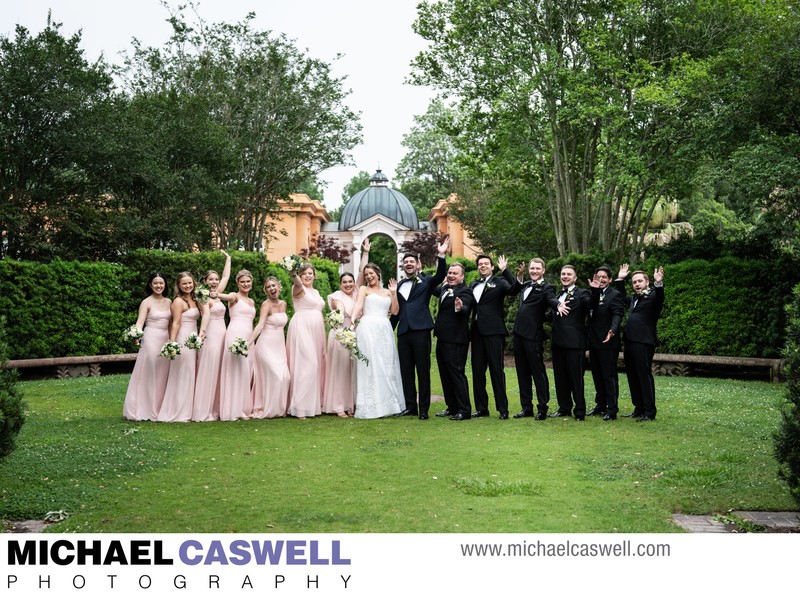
pixel 488 336
pixel 640 346
pixel 452 345
pixel 529 340
pixel 414 323
pixel 569 345
pixel 606 310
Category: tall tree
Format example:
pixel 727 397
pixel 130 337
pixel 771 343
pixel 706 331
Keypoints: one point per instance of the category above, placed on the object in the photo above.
pixel 283 111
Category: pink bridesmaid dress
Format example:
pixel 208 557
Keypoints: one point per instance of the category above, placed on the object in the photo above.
pixel 149 379
pixel 209 365
pixel 305 350
pixel 339 366
pixel 179 394
pixel 271 375
pixel 235 398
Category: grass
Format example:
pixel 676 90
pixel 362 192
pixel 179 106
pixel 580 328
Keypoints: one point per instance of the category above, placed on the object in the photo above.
pixel 709 451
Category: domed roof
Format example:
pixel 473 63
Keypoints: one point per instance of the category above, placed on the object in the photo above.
pixel 378 198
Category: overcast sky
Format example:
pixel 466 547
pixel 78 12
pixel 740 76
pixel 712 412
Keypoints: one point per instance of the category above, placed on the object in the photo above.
pixel 374 36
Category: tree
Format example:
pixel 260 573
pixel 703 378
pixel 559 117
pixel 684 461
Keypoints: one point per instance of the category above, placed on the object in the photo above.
pixel 587 102
pixel 50 97
pixel 325 246
pixel 12 406
pixel 282 110
pixel 423 245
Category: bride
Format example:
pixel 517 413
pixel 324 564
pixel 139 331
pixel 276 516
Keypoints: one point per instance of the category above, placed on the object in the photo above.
pixel 378 391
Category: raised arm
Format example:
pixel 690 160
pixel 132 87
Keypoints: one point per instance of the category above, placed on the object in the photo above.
pixel 364 261
pixel 394 307
pixel 226 273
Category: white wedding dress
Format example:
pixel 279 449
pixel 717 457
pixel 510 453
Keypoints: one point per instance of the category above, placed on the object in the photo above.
pixel 378 385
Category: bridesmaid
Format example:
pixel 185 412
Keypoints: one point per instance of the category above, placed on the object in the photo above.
pixel 235 399
pixel 305 346
pixel 149 379
pixel 179 394
pixel 212 331
pixel 338 376
pixel 271 374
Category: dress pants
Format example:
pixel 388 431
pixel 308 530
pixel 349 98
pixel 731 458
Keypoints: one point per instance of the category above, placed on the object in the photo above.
pixel 529 362
pixel 606 380
pixel 487 351
pixel 638 368
pixel 414 350
pixel 568 374
pixel 451 357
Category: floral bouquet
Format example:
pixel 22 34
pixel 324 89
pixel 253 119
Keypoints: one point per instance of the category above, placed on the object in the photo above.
pixel 193 342
pixel 132 334
pixel 202 293
pixel 335 318
pixel 348 340
pixel 170 350
pixel 291 263
pixel 239 347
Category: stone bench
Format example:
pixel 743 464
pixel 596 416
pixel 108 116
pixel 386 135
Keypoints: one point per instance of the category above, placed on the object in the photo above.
pixel 668 364
pixel 66 367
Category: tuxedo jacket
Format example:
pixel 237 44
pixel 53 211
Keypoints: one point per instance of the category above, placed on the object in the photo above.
pixel 414 312
pixel 530 316
pixel 488 314
pixel 452 325
pixel 569 331
pixel 605 314
pixel 643 318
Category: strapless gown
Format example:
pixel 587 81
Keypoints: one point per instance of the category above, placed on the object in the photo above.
pixel 378 385
pixel 271 370
pixel 305 351
pixel 149 378
pixel 179 394
pixel 209 365
pixel 339 388
pixel 235 398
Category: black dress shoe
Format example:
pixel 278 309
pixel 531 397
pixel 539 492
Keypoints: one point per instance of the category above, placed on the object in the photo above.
pixel 580 418
pixel 644 418
pixel 407 413
pixel 524 413
pixel 504 416
pixel 480 413
pixel 596 412
pixel 460 417
pixel 540 417
pixel 559 414
pixel 445 413
pixel 423 416
pixel 608 417
pixel 633 415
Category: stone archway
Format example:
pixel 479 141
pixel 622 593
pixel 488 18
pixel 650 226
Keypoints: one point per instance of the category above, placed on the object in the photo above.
pixel 376 225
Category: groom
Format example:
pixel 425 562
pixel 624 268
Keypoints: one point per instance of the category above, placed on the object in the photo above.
pixel 414 324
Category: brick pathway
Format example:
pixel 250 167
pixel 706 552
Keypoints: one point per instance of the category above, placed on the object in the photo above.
pixel 777 521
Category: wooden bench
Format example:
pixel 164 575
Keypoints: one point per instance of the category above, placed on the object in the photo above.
pixel 667 364
pixel 66 367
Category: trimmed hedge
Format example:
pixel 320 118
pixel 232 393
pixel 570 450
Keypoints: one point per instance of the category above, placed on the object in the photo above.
pixel 61 309
pixel 787 437
pixel 12 406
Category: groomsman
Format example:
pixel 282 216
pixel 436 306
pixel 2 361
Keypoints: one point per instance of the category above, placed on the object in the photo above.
pixel 644 308
pixel 605 316
pixel 569 345
pixel 414 324
pixel 452 341
pixel 488 336
pixel 536 296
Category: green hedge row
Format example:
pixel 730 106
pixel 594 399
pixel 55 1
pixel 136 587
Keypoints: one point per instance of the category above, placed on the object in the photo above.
pixel 60 308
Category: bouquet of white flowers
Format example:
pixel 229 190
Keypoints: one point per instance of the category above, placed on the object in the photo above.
pixel 291 263
pixel 335 318
pixel 132 334
pixel 193 342
pixel 170 350
pixel 348 340
pixel 239 347
pixel 202 293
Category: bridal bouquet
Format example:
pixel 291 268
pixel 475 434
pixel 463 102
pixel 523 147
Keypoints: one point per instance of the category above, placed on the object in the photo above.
pixel 239 347
pixel 348 340
pixel 193 342
pixel 170 350
pixel 291 263
pixel 132 334
pixel 202 293
pixel 335 318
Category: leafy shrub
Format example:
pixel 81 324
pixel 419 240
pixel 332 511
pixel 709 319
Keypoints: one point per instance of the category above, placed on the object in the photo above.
pixel 787 438
pixel 12 407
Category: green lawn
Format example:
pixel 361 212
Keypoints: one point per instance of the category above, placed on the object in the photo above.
pixel 709 451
